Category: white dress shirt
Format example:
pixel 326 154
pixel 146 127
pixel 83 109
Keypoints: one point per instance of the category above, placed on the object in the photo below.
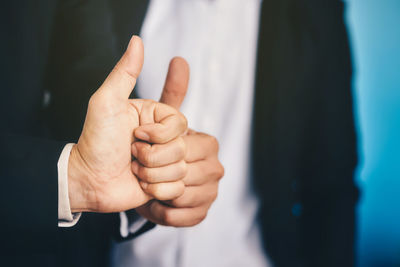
pixel 65 217
pixel 219 40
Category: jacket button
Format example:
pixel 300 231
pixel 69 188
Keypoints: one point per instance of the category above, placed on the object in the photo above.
pixel 297 209
pixel 46 99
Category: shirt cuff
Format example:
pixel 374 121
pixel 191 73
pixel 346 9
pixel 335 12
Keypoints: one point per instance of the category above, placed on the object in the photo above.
pixel 131 222
pixel 65 217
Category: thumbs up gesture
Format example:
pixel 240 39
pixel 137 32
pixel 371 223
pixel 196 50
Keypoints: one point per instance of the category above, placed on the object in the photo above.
pixel 100 176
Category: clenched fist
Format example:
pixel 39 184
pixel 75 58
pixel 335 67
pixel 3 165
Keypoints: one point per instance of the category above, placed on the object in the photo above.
pixel 201 179
pixel 191 158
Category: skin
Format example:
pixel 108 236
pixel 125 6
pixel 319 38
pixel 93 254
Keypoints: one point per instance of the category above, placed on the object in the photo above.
pixel 100 177
pixel 173 179
pixel 203 172
pixel 200 169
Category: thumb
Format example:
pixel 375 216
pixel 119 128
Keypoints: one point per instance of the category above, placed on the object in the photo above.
pixel 122 79
pixel 176 83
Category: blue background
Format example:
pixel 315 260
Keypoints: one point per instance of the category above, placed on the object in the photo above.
pixel 375 36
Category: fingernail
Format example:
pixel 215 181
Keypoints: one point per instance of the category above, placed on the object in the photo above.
pixel 142 135
pixel 144 185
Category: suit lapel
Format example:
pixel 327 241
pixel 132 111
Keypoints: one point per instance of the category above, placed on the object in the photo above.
pixel 284 97
pixel 26 29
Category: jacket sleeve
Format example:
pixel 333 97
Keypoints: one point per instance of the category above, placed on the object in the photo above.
pixel 328 224
pixel 28 191
pixel 330 194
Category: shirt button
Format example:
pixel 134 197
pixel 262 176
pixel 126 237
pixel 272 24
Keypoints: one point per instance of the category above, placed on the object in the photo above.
pixel 46 99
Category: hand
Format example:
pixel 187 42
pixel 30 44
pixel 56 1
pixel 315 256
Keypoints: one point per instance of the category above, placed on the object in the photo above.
pixel 100 177
pixel 201 185
pixel 193 157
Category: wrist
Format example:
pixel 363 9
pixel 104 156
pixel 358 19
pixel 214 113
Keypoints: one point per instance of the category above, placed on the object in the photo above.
pixel 81 194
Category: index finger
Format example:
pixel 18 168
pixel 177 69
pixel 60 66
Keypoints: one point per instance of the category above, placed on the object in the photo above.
pixel 169 124
pixel 200 146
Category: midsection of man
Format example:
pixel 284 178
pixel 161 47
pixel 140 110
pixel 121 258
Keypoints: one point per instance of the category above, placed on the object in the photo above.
pixel 219 40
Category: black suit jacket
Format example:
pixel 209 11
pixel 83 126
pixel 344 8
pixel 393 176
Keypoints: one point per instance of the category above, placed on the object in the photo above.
pixel 304 151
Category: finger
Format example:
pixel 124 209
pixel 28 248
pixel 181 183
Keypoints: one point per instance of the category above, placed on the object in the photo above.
pixel 169 124
pixel 164 191
pixel 170 173
pixel 200 146
pixel 176 83
pixel 159 155
pixel 190 132
pixel 162 214
pixel 203 171
pixel 195 196
pixel 122 79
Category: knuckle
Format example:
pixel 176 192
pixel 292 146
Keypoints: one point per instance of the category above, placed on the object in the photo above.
pixel 191 201
pixel 147 157
pixel 145 174
pixel 167 217
pixel 181 150
pixel 181 201
pixel 201 217
pixel 182 169
pixel 162 135
pixel 180 188
pixel 176 202
pixel 221 170
pixel 214 143
pixel 218 171
pixel 214 195
pixel 184 122
pixel 167 191
pixel 155 190
pixel 151 103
